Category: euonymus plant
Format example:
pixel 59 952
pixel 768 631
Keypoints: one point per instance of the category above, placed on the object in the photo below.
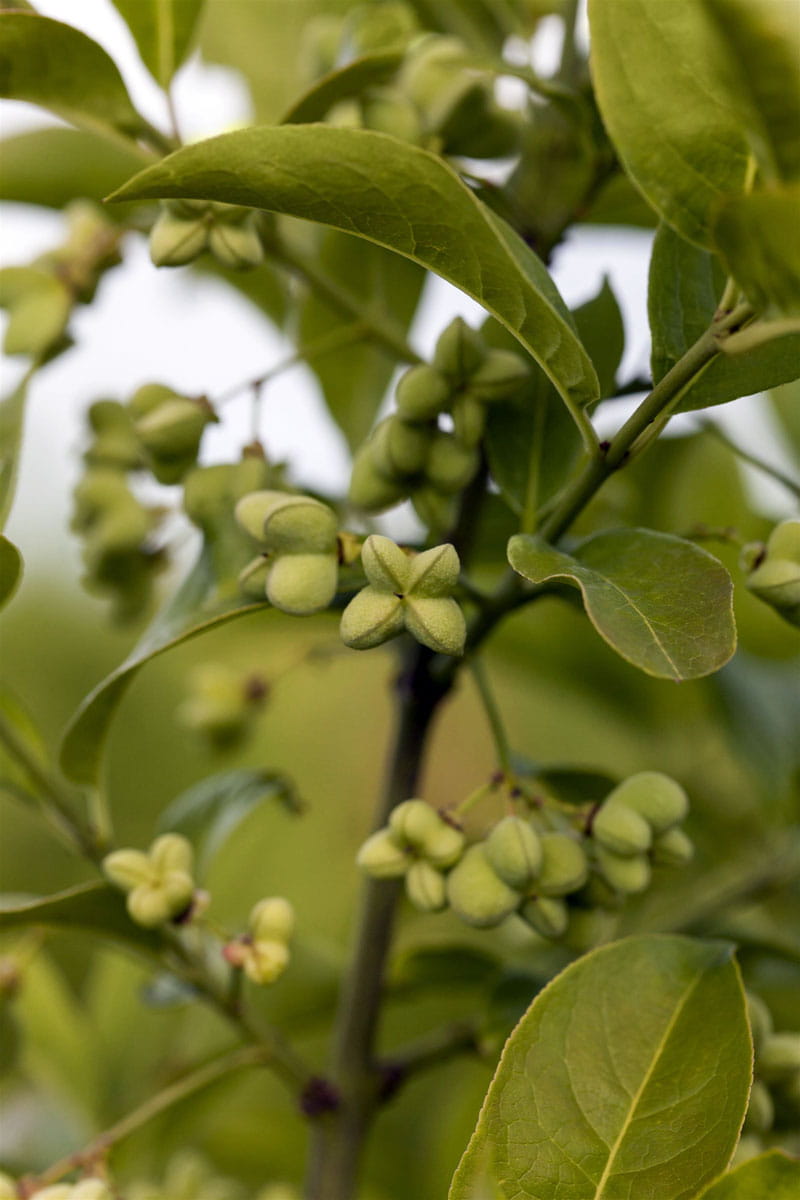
pixel 554 954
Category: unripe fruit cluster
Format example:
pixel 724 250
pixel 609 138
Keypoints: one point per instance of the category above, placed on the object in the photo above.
pixel 159 884
pixel 169 427
pixel 263 952
pixel 187 228
pixel 419 844
pixel 298 537
pixel 637 825
pixel 406 593
pixel 408 454
pixel 774 570
pixel 222 704
pixel 776 1085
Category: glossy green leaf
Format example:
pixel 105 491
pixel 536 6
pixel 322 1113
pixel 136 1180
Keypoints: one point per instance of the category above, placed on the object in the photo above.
pixel 616 1082
pixel 669 99
pixel 662 603
pixel 61 69
pixel 599 323
pixel 685 287
pixel 12 412
pixel 210 811
pixel 398 196
pixel 349 81
pixel 759 237
pixel 197 607
pixel 618 202
pixel 773 1175
pixel 355 376
pixel 162 30
pixel 10 569
pixel 97 908
pixel 51 167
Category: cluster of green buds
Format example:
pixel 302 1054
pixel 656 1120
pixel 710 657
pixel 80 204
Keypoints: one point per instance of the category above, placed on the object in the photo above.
pixel 40 297
pixel 773 569
pixel 185 229
pixel 406 593
pixel 419 844
pixel 775 1094
pixel 87 1189
pixel 263 952
pixel 169 427
pixel 222 704
pixel 298 539
pixel 636 826
pixel 409 454
pixel 159 884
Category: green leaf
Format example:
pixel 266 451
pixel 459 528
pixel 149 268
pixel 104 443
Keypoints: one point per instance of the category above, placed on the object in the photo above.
pixel 197 607
pixel 620 203
pixel 772 1175
pixel 51 167
pixel 10 569
pixel 97 908
pixel 12 412
pixel 354 377
pixel 668 99
pixel 661 602
pixel 162 30
pixel 63 70
pixel 443 967
pixel 21 725
pixel 599 323
pixel 685 287
pixel 398 196
pixel 758 237
pixel 349 81
pixel 210 811
pixel 616 1082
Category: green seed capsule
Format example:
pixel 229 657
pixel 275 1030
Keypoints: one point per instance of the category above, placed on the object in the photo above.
pixel 434 572
pixel 175 241
pixel 382 857
pixel 499 376
pixel 422 393
pixel 628 874
pixel 436 623
pixel 459 352
pixel 548 916
pixel 174 429
pixel 476 894
pixel 237 247
pixel 779 1056
pixel 371 618
pixel 660 800
pixel 444 847
pixel 673 848
pixel 385 565
pixel 408 444
pixel 425 887
pixel 301 524
pixel 621 830
pixel 514 851
pixel 149 397
pixel 469 419
pixel 450 465
pixel 784 541
pixel 413 821
pixel 760 1019
pixel 564 865
pixel 433 508
pixel 302 584
pixel 369 489
pixel 777 582
pixel 760 1110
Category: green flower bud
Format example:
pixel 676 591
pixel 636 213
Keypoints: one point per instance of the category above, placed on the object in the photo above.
pixel 459 352
pixel 499 376
pixel 434 572
pixel 385 565
pixel 444 847
pixel 476 894
pixel 547 915
pixel 408 444
pixel 760 1019
pixel 236 246
pixel 564 865
pixel 450 465
pixel 784 541
pixel 272 918
pixel 371 618
pixel 302 584
pixel 149 906
pixel 628 874
pixel 149 397
pixel 299 524
pixel 777 582
pixel 174 429
pixel 779 1057
pixel 760 1110
pixel 660 800
pixel 620 829
pixel 175 241
pixel 469 419
pixel 514 851
pixel 673 848
pixel 422 393
pixel 388 110
pixel 127 869
pixel 159 884
pixel 368 488
pixel 265 960
pixel 382 857
pixel 413 822
pixel 437 623
pixel 425 887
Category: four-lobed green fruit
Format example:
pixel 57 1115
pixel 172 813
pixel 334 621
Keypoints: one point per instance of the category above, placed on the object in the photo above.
pixel 184 229
pixel 159 884
pixel 476 893
pixel 300 537
pixel 775 577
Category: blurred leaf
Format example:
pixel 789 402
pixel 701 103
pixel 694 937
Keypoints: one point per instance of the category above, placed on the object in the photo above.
pixel 785 402
pixel 97 908
pixel 26 733
pixel 162 30
pixel 662 603
pixel 414 204
pixel 12 412
pixel 615 1082
pixel 686 284
pixel 665 91
pixel 571 785
pixel 599 324
pixel 347 82
pixel 354 377
pixel 61 69
pixel 483 24
pixel 772 1175
pixel 619 202
pixel 10 569
pixel 196 608
pixel 51 167
pixel 758 237
pixel 266 287
pixel 511 997
pixel 210 811
pixel 442 966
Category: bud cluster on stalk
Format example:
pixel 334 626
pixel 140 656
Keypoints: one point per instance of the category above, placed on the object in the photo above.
pixel 409 454
pixel 532 865
pixel 185 229
pixel 773 570
pixel 775 1095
